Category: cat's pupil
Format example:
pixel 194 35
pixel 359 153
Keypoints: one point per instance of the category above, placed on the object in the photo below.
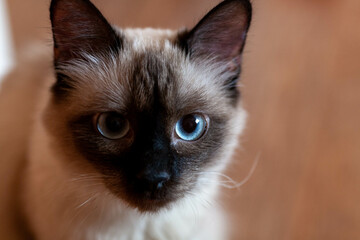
pixel 114 123
pixel 190 123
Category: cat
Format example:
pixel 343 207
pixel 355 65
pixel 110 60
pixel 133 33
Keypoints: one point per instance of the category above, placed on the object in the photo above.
pixel 125 136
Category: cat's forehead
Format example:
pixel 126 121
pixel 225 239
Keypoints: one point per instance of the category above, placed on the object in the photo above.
pixel 148 37
pixel 150 70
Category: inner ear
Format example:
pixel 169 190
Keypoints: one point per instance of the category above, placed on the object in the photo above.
pixel 78 27
pixel 221 34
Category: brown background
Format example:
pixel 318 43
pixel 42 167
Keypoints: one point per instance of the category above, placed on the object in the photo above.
pixel 302 91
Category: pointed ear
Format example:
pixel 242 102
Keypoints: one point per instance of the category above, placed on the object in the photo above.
pixel 78 27
pixel 221 34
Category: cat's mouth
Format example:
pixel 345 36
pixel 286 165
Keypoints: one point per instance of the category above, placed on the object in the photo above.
pixel 150 201
pixel 151 204
pixel 145 198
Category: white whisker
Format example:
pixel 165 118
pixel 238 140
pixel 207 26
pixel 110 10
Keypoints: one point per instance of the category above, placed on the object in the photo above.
pixel 229 182
pixel 86 201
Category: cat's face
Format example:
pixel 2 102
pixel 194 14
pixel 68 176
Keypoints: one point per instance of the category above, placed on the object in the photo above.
pixel 151 111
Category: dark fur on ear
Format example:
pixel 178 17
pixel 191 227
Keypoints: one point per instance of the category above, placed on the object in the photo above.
pixel 78 27
pixel 220 35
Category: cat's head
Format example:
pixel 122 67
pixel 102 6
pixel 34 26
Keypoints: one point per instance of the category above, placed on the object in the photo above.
pixel 152 111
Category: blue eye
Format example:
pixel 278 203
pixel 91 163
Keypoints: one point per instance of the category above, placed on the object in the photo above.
pixel 112 125
pixel 191 127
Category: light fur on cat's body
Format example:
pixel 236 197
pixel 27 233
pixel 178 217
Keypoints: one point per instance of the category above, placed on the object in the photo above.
pixel 92 212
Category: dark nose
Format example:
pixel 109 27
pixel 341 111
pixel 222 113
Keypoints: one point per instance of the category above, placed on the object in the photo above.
pixel 152 181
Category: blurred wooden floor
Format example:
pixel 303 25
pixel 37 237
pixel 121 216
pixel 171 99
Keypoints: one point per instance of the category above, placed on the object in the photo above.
pixel 302 91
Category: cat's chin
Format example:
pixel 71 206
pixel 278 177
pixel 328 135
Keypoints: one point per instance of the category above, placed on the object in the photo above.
pixel 149 204
pixel 152 205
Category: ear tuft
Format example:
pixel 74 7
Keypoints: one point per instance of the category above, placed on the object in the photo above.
pixel 79 27
pixel 221 34
pixel 220 37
